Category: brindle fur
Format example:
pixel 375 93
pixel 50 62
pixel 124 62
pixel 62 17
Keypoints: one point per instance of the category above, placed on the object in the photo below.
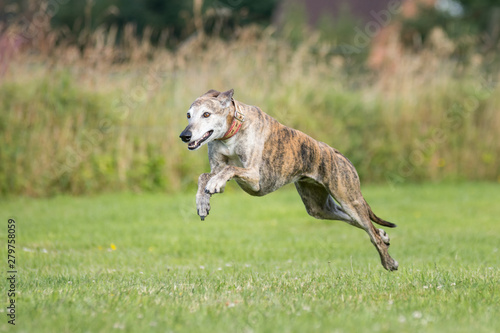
pixel 265 155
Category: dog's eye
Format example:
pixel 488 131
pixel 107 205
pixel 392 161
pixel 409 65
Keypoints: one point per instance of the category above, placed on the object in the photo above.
pixel 188 116
pixel 206 115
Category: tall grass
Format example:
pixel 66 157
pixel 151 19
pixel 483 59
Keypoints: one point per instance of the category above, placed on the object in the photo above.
pixel 108 118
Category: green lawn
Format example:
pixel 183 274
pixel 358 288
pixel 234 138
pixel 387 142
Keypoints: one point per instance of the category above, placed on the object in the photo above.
pixel 145 262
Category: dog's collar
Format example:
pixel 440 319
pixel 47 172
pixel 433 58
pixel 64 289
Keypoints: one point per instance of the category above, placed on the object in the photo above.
pixel 238 120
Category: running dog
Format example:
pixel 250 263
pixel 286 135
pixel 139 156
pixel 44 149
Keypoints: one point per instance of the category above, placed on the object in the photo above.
pixel 262 155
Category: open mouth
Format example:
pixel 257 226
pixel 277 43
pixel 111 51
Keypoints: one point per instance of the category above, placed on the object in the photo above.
pixel 196 144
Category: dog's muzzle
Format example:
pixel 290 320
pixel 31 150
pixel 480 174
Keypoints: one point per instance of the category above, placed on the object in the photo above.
pixel 186 136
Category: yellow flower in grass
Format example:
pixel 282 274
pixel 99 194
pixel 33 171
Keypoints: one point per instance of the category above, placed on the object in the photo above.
pixel 113 246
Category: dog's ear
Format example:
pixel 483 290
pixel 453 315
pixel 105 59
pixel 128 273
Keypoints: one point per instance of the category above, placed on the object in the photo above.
pixel 211 93
pixel 226 97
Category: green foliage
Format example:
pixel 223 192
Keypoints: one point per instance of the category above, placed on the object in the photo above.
pixel 480 12
pixel 245 11
pixel 476 27
pixel 146 263
pixel 176 17
pixel 159 15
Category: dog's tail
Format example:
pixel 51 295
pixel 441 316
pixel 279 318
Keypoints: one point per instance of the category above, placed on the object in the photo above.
pixel 378 220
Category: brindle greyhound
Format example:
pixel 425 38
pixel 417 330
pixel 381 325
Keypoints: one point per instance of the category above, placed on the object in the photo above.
pixel 262 155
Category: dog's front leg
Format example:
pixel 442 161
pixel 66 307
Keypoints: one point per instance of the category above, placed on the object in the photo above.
pixel 217 183
pixel 202 198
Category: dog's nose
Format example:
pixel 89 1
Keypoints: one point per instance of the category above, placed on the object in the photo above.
pixel 186 136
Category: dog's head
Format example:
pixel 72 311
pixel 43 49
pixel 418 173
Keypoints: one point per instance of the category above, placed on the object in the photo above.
pixel 209 118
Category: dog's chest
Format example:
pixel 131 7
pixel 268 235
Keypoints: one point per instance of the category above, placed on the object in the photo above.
pixel 233 158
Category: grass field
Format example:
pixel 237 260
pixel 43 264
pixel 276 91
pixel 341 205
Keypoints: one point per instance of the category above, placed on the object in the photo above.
pixel 145 262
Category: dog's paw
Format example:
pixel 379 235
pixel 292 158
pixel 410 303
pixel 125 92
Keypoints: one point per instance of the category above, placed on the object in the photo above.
pixel 384 236
pixel 215 185
pixel 203 206
pixel 203 213
pixel 390 264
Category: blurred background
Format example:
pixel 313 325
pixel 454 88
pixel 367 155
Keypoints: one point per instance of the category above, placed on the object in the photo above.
pixel 93 94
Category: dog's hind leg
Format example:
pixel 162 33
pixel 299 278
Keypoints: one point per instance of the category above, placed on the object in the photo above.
pixel 321 205
pixel 343 185
pixel 359 213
